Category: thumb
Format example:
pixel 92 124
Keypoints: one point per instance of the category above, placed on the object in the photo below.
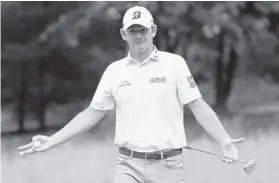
pixel 237 141
pixel 40 147
pixel 233 142
pixel 41 138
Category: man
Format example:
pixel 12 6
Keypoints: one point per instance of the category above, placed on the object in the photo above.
pixel 148 90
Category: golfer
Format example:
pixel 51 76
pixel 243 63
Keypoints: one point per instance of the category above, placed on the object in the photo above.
pixel 148 89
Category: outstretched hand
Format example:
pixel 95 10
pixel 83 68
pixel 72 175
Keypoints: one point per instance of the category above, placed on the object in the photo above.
pixel 230 151
pixel 39 144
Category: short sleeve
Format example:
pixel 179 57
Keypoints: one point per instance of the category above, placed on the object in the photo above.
pixel 187 89
pixel 103 98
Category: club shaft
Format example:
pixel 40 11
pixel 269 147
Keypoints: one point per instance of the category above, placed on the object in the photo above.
pixel 214 154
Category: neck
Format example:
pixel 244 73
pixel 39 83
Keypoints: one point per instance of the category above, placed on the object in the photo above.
pixel 141 56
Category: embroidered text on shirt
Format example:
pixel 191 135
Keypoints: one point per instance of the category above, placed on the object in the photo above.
pixel 158 80
pixel 191 81
pixel 125 83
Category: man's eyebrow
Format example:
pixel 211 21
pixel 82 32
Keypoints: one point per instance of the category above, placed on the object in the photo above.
pixel 136 29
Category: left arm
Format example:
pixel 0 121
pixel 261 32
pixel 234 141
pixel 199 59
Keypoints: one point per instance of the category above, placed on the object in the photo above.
pixel 188 93
pixel 209 120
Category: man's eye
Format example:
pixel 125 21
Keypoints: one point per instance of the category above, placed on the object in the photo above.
pixel 142 31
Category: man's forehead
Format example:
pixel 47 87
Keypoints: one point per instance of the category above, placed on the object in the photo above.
pixel 137 26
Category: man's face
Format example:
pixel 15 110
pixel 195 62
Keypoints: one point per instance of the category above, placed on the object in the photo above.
pixel 139 38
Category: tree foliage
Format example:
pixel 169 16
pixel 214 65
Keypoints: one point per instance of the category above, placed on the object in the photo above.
pixel 55 52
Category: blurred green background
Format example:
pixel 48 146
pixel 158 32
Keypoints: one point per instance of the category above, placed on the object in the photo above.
pixel 54 53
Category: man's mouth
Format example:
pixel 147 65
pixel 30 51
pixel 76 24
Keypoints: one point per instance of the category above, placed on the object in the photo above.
pixel 138 42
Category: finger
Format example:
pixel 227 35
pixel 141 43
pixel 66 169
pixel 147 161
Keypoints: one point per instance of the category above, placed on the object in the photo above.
pixel 40 149
pixel 223 159
pixel 27 146
pixel 28 151
pixel 226 160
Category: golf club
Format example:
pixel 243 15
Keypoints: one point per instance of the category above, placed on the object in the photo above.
pixel 248 168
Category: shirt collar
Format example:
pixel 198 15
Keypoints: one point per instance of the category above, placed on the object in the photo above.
pixel 152 56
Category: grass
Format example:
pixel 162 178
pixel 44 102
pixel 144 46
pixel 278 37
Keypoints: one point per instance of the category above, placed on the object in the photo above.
pixel 77 161
pixel 204 168
pixel 87 160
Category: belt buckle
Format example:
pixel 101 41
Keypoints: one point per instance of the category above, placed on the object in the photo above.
pixel 160 154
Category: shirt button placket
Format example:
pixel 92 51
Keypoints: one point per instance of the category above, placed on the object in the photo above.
pixel 140 76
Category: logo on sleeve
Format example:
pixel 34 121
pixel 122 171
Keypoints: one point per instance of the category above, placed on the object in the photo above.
pixel 124 83
pixel 191 81
pixel 158 80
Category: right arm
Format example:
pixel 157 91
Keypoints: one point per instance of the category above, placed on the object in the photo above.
pixel 82 122
pixel 79 124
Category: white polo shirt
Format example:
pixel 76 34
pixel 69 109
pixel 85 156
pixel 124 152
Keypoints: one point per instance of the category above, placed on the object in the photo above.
pixel 148 98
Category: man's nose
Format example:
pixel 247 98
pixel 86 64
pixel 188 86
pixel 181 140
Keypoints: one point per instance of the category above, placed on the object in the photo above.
pixel 138 35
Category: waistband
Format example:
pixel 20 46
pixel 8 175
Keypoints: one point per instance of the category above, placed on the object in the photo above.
pixel 156 155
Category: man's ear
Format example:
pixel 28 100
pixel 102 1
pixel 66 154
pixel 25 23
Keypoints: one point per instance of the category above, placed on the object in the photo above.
pixel 154 30
pixel 123 34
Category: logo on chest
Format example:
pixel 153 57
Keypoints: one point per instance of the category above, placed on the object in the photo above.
pixel 155 80
pixel 124 84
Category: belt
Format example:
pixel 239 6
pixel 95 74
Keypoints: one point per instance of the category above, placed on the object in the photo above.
pixel 157 155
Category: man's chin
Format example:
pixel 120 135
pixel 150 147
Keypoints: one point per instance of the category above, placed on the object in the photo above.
pixel 141 49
